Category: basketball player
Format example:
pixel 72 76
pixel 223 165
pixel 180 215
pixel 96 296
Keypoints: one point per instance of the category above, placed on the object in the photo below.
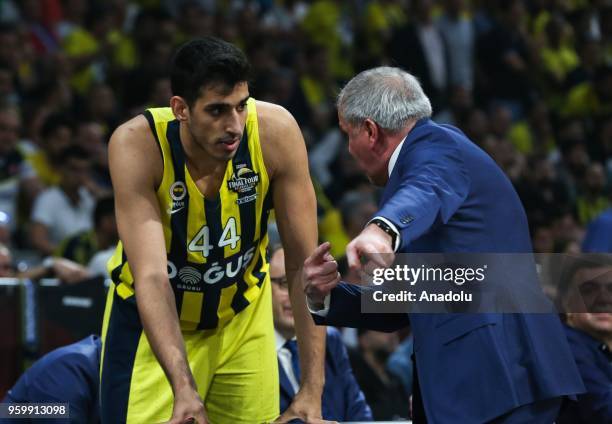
pixel 188 332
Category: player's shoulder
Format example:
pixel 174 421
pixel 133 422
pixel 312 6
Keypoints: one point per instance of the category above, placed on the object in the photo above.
pixel 133 133
pixel 279 134
pixel 129 144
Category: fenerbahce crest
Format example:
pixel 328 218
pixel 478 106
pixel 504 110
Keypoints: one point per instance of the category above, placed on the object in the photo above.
pixel 244 181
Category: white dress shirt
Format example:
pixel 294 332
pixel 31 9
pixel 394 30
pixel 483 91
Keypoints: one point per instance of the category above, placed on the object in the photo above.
pixel 284 358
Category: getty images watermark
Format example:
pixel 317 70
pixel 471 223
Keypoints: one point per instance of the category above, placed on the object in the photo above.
pixel 412 276
pixel 488 283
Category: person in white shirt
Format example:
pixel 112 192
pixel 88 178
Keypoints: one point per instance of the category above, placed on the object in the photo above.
pixel 62 211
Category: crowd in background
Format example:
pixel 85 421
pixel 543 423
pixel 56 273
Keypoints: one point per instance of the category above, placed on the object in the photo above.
pixel 530 81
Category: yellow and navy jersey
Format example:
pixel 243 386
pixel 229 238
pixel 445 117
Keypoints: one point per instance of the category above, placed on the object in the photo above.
pixel 216 246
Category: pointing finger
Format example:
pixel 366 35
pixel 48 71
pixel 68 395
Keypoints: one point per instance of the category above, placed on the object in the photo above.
pixel 319 253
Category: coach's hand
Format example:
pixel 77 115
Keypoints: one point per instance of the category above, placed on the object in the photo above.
pixel 303 409
pixel 371 248
pixel 188 408
pixel 320 274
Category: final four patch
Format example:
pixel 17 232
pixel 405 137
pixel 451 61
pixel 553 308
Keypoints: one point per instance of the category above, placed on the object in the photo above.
pixel 243 181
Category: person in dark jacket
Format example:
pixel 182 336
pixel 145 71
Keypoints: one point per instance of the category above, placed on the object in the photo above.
pixel 70 374
pixel 342 398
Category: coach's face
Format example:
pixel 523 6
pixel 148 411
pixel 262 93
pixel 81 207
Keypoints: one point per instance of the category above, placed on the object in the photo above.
pixel 364 144
pixel 216 119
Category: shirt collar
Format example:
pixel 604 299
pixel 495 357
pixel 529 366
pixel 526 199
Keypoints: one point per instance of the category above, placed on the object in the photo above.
pixel 396 152
pixel 394 156
pixel 280 340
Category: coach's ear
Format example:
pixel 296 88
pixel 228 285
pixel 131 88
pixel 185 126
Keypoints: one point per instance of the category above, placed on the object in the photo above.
pixel 179 108
pixel 372 130
pixel 376 140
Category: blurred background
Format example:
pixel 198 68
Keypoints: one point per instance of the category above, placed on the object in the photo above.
pixel 530 81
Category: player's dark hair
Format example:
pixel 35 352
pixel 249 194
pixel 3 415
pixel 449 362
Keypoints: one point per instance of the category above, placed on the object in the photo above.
pixel 205 61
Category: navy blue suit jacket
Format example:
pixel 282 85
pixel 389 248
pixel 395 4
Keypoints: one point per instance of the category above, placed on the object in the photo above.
pixel 445 194
pixel 69 374
pixel 594 406
pixel 342 398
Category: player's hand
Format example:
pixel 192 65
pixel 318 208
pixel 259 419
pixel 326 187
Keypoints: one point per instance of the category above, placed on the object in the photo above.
pixel 188 408
pixel 305 409
pixel 320 274
pixel 371 248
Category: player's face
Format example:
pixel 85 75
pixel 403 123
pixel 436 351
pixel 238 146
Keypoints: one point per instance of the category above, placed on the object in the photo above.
pixel 216 119
pixel 281 305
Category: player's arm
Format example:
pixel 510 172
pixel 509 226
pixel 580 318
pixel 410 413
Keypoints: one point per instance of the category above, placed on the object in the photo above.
pixel 136 168
pixel 295 209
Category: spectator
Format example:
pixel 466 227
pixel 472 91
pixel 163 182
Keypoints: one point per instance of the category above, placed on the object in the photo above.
pixel 342 397
pixel 590 59
pixel 534 135
pixel 558 55
pixel 400 363
pixel 66 271
pixel 593 199
pixel 541 191
pixel 420 48
pixel 82 247
pixel 383 391
pixel 92 137
pixel 16 175
pixel 62 211
pixel 357 208
pixel 457 28
pixel 55 136
pixel 585 295
pixel 592 98
pixel 68 375
pixel 505 58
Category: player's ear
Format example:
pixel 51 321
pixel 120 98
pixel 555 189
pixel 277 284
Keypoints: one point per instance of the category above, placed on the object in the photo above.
pixel 179 108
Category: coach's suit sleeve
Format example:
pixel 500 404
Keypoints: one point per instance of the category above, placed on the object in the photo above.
pixel 345 311
pixel 434 184
pixel 357 408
